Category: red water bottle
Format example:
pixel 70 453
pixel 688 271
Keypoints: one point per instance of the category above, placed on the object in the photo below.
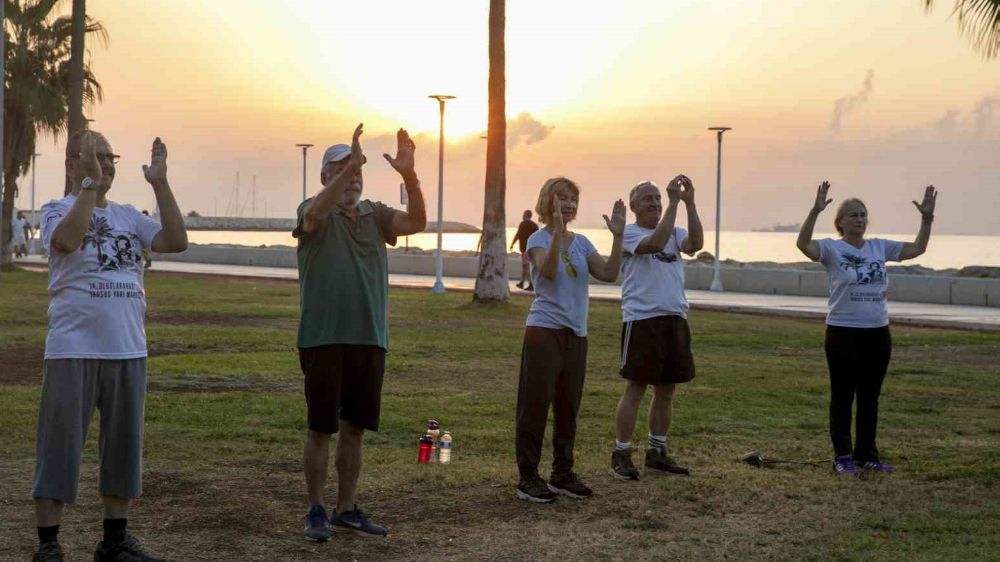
pixel 424 454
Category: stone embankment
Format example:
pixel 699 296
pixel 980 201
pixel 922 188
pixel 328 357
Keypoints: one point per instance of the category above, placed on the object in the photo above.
pixel 804 279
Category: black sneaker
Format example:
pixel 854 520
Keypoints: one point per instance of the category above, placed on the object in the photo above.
pixel 534 490
pixel 660 460
pixel 530 288
pixel 129 550
pixel 520 285
pixel 355 520
pixel 570 485
pixel 317 526
pixel 49 551
pixel 621 465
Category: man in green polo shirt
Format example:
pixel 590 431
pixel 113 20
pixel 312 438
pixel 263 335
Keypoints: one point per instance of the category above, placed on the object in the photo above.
pixel 342 340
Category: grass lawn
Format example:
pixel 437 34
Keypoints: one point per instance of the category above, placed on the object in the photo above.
pixel 225 421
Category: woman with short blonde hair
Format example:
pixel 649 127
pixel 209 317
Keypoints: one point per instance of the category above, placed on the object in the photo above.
pixel 544 205
pixel 554 354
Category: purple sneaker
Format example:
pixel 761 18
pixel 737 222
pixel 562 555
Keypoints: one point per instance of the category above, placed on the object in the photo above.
pixel 843 465
pixel 879 466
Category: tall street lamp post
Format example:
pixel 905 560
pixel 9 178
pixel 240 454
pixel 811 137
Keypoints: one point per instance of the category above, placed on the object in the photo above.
pixel 304 148
pixel 439 265
pixel 716 281
pixel 32 249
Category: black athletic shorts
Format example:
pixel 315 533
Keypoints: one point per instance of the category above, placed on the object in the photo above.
pixel 342 382
pixel 657 351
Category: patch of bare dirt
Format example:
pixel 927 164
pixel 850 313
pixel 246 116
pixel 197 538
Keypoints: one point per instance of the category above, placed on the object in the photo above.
pixel 985 357
pixel 21 366
pixel 222 384
pixel 170 317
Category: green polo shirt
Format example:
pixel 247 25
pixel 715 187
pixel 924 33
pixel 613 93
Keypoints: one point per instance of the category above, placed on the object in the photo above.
pixel 343 277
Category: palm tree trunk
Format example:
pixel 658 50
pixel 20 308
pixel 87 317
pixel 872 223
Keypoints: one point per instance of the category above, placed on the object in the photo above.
pixel 491 281
pixel 6 219
pixel 75 94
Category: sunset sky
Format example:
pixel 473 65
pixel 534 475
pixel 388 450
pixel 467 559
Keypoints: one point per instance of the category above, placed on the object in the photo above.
pixel 879 98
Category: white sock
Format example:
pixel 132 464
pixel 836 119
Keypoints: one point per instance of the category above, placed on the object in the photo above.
pixel 658 442
pixel 622 445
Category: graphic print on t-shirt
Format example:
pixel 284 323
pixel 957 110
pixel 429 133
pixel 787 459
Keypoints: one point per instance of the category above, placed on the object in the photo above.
pixel 117 250
pixel 867 272
pixel 665 257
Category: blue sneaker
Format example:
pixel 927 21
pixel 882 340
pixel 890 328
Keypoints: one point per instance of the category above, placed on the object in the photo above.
pixel 356 521
pixel 317 526
pixel 879 466
pixel 843 465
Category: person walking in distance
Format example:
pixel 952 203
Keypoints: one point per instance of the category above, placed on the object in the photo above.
pixel 524 231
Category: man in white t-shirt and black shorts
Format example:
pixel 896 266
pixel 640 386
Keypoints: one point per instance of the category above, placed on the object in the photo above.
pixel 656 340
pixel 95 349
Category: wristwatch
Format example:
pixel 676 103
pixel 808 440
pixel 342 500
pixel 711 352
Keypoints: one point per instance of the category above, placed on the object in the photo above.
pixel 87 183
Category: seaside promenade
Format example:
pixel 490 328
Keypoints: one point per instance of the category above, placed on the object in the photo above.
pixel 917 314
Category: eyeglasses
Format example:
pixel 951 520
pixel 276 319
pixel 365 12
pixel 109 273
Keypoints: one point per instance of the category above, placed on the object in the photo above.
pixel 570 269
pixel 113 158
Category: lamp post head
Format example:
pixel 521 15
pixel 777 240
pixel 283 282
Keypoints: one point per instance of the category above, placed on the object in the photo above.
pixel 304 145
pixel 441 97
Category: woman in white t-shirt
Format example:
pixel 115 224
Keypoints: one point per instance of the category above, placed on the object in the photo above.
pixel 554 354
pixel 858 343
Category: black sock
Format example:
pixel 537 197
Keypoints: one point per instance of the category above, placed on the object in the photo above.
pixel 48 534
pixel 114 530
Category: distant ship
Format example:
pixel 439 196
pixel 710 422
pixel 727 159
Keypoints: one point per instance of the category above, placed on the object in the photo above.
pixel 780 228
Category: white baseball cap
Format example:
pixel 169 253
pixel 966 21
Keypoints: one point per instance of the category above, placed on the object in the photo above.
pixel 336 153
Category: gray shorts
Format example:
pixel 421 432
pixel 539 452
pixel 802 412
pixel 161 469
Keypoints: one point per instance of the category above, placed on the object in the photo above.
pixel 71 388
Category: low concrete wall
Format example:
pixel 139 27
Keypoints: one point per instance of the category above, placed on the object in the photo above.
pixel 902 288
pixel 235 255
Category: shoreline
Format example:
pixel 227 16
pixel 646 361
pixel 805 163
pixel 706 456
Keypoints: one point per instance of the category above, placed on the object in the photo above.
pixel 704 259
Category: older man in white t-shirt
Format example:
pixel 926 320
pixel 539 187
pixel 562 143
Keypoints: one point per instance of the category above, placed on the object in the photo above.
pixel 95 351
pixel 656 340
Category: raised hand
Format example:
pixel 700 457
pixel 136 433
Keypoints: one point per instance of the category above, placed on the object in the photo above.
pixel 557 217
pixel 357 158
pixel 616 224
pixel 89 166
pixel 674 189
pixel 156 171
pixel 926 207
pixel 687 195
pixel 403 162
pixel 821 200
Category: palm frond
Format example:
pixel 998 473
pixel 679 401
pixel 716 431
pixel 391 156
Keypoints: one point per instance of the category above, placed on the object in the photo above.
pixel 35 85
pixel 979 20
